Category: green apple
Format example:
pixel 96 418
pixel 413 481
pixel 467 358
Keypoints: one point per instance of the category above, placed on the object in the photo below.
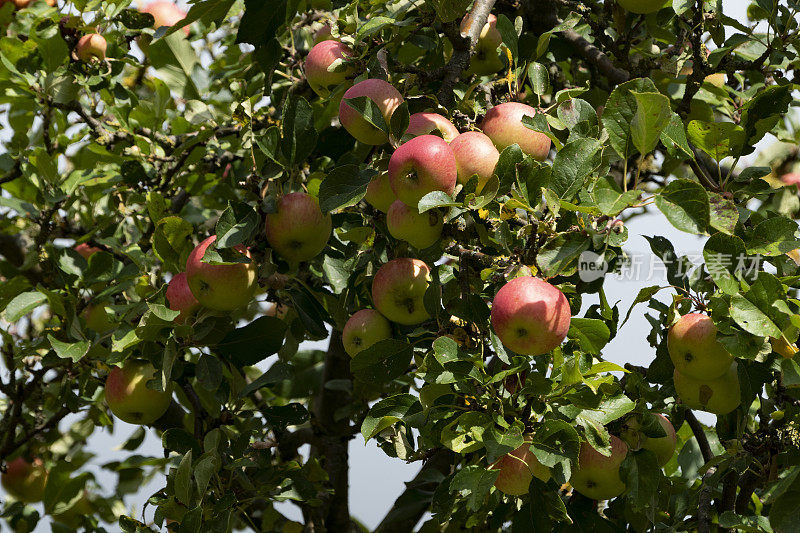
pixel 379 193
pixel 420 230
pixel 597 476
pixel 25 480
pixel 503 125
pixel 662 447
pixel 129 398
pixel 694 348
pixel 298 230
pixel 398 289
pixel 383 95
pixel 719 395
pixel 363 329
pixel 97 319
pixel 221 287
pixel 486 60
pixel 517 469
pixel 642 6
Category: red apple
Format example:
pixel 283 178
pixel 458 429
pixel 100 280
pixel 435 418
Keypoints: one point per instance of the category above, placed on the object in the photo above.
pixel 694 348
pixel 129 398
pixel 475 155
pixel 422 165
pixel 379 193
pixel 792 178
pixel 20 4
pixel 530 316
pixel 398 290
pixel 86 250
pixel 298 231
pixel 597 476
pixel 220 287
pixel 424 123
pixel 180 297
pixel 165 14
pixel 503 124
pixel 386 97
pixel 25 480
pixel 420 230
pixel 320 75
pixel 363 329
pixel 517 469
pixel 91 47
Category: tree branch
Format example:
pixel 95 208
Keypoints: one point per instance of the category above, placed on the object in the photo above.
pixel 704 503
pixel 700 435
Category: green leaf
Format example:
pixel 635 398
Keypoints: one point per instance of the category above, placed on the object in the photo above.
pixel 23 304
pixel 761 113
pixel 721 253
pixel 590 333
pixel 751 318
pixel 209 372
pixel 369 111
pixel 644 295
pixel 297 129
pixel 280 416
pixel 373 25
pixel 653 114
pixel 171 242
pixel 382 362
pixel 66 350
pixel 387 412
pixel 717 139
pixel 204 470
pixel 509 34
pixel 673 136
pixel 435 199
pixel 237 224
pixel 474 483
pixel 254 342
pixel 610 198
pixel 685 204
pixel 641 474
pixel 311 313
pixel 399 121
pixel 277 373
pixel 559 256
pixel 344 186
pixel 450 10
pixel 573 164
pixel 556 442
pixel 724 214
pixel 620 111
pixel 183 480
pixel 774 236
pixel 539 78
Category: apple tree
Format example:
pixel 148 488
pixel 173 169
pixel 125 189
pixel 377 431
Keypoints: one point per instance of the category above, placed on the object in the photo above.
pixel 438 190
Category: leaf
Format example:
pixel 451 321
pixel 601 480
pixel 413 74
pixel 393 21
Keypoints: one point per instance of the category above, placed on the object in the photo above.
pixel 641 474
pixel 774 236
pixel 673 136
pixel 724 214
pixel 539 78
pixel 450 10
pixel 620 110
pixel 559 256
pixel 254 342
pixel 209 372
pixel 435 199
pixel 204 470
pixel 653 114
pixel 387 412
pixel 590 333
pixel 23 304
pixel 644 295
pixel 344 186
pixel 685 204
pixel 474 482
pixel 721 253
pixel 751 318
pixel 717 139
pixel 369 111
pixel 556 442
pixel 237 224
pixel 171 242
pixel 575 162
pixel 761 113
pixel 610 198
pixel 382 362
pixel 373 25
pixel 66 350
pixel 183 480
pixel 509 34
pixel 280 416
pixel 277 373
pixel 297 130
pixel 311 313
pixel 399 122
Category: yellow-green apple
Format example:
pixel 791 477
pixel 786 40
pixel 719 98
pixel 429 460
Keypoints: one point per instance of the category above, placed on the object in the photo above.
pixel 642 6
pixel 530 316
pixel 25 480
pixel 97 319
pixel 221 287
pixel 597 476
pixel 398 289
pixel 91 47
pixel 379 193
pixel 694 348
pixel 424 123
pixel 475 154
pixel 503 125
pixel 298 230
pixel 321 73
pixel 129 398
pixel 517 470
pixel 422 165
pixel 363 329
pixel 86 250
pixel 782 347
pixel 180 297
pixel 385 97
pixel 719 395
pixel 662 447
pixel 165 14
pixel 420 230
pixel 72 516
pixel 485 60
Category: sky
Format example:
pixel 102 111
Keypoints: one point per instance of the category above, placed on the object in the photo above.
pixel 375 479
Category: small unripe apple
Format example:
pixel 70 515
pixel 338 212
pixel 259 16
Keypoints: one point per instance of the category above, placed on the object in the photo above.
pixel 379 193
pixel 86 250
pixel 422 165
pixel 642 6
pixel 530 316
pixel 503 125
pixel 425 123
pixel 97 318
pixel 320 74
pixel 517 470
pixel 662 447
pixel 25 480
pixel 363 329
pixel 597 476
pixel 398 290
pixel 694 348
pixel 486 60
pixel 129 398
pixel 420 230
pixel 180 297
pixel 386 97
pixel 165 14
pixel 475 155
pixel 719 395
pixel 783 348
pixel 298 230
pixel 220 287
pixel 91 47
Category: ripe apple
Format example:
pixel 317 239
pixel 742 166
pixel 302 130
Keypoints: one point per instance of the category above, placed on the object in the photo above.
pixel 398 289
pixel 423 164
pixel 20 4
pixel 719 395
pixel 662 447
pixel 486 60
pixel 420 230
pixel 220 287
pixel 379 193
pixel 425 123
pixel 25 480
pixel 642 6
pixel 791 178
pixel 530 316
pixel 386 97
pixel 319 61
pixel 694 348
pixel 91 47
pixel 363 329
pixel 517 469
pixel 129 398
pixel 783 348
pixel 597 476
pixel 180 297
pixel 475 154
pixel 97 318
pixel 503 125
pixel 166 14
pixel 298 231
pixel 86 250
